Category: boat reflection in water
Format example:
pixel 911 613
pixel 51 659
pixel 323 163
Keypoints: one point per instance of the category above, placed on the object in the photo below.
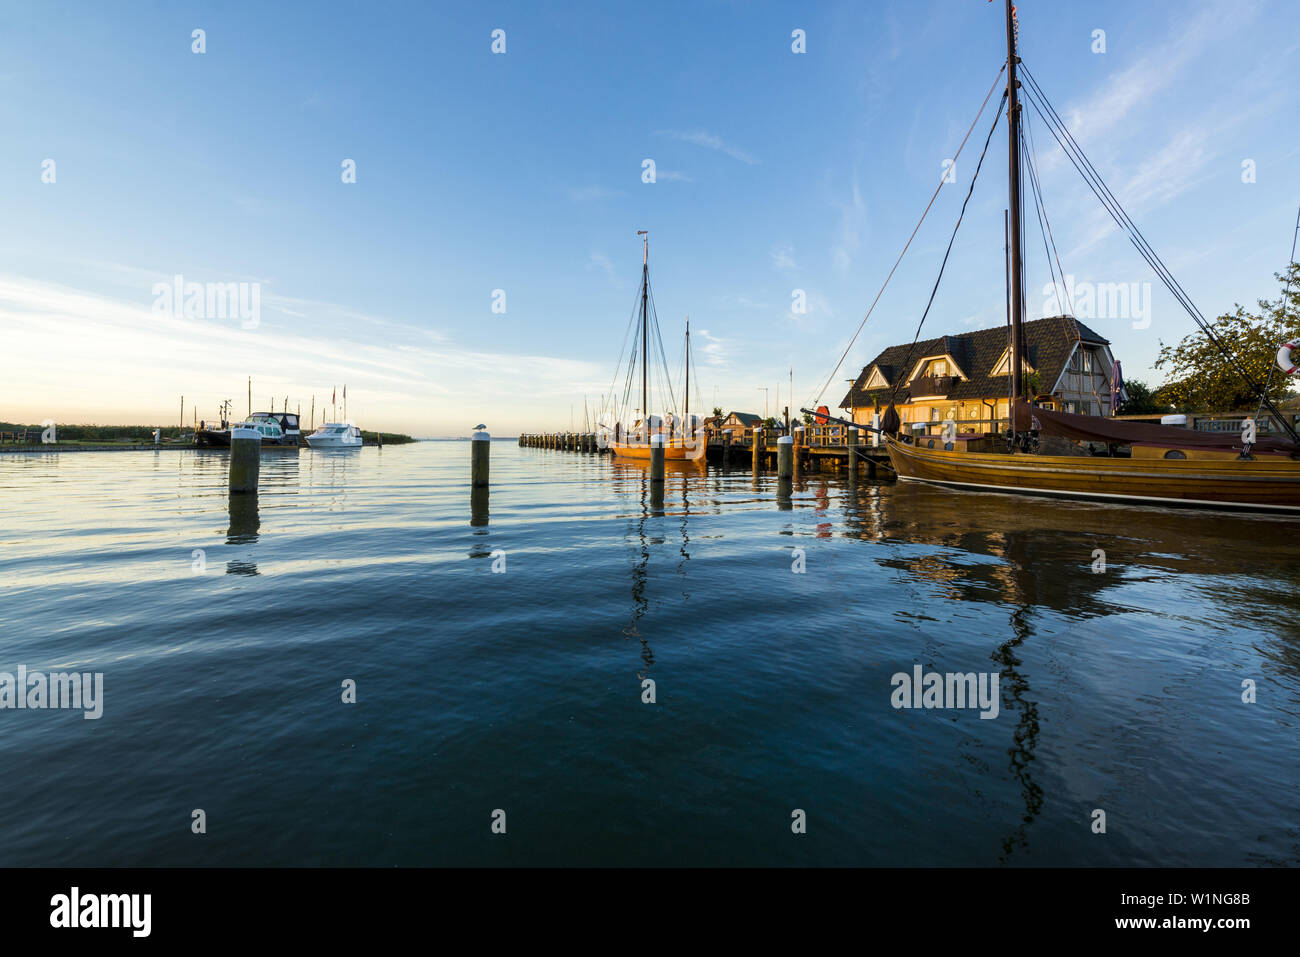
pixel 1152 597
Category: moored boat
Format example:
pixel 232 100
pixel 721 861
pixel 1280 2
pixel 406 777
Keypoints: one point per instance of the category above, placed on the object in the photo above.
pixel 1141 462
pixel 681 436
pixel 335 435
pixel 278 429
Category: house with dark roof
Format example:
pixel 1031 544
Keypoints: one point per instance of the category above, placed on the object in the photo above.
pixel 740 424
pixel 964 377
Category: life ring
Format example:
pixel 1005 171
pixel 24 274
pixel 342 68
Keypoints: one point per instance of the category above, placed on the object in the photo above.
pixel 1284 359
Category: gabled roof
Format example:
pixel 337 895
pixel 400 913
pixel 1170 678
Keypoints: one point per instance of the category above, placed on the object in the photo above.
pixel 1048 344
pixel 746 418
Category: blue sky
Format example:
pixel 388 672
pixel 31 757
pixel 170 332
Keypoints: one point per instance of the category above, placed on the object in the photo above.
pixel 522 172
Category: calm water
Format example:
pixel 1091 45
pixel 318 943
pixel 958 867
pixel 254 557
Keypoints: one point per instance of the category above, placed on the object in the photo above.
pixel 522 691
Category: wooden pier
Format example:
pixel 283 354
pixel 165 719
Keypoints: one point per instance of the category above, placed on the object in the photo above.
pixel 817 448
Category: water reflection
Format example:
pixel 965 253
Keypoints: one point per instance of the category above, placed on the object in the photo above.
pixel 640 575
pixel 478 509
pixel 245 523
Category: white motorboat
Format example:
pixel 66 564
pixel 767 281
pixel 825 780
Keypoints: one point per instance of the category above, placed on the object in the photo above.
pixel 335 435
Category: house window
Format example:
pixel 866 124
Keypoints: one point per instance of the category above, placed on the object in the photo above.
pixel 934 414
pixel 939 367
pixel 1086 360
pixel 1085 408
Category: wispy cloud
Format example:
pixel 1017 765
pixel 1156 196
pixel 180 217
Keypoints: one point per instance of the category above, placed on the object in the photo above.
pixel 116 344
pixel 673 175
pixel 1159 69
pixel 598 260
pixel 710 141
pixel 852 226
pixel 783 258
pixel 710 350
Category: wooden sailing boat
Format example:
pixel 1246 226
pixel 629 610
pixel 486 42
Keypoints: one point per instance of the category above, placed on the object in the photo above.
pixel 683 440
pixel 1163 465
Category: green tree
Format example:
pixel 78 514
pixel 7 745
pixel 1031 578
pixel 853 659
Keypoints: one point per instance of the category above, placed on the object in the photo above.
pixel 1141 400
pixel 1200 378
pixel 717 412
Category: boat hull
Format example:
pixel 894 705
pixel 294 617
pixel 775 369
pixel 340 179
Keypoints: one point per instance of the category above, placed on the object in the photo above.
pixel 220 439
pixel 1267 484
pixel 675 450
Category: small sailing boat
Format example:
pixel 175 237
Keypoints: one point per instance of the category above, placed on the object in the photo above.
pixel 682 437
pixel 1153 464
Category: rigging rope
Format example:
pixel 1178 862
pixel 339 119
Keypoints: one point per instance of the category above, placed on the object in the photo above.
pixel 1038 188
pixel 898 380
pixel 906 246
pixel 1075 154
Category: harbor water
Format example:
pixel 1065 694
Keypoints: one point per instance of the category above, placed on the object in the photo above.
pixel 610 680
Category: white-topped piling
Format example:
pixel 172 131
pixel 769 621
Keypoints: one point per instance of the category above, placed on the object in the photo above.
pixel 785 457
pixel 657 458
pixel 480 449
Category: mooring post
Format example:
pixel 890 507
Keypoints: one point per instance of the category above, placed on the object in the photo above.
pixel 480 448
pixel 785 457
pixel 758 446
pixel 851 443
pixel 657 459
pixel 798 435
pixel 245 459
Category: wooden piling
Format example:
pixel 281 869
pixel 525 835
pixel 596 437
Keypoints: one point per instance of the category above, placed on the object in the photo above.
pixel 758 450
pixel 785 457
pixel 480 450
pixel 245 460
pixel 657 459
pixel 851 443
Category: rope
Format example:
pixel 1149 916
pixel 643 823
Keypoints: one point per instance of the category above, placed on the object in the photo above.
pixel 898 380
pixel 817 399
pixel 1112 205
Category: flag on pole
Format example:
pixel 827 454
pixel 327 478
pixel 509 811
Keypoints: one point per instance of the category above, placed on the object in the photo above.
pixel 334 395
pixel 345 392
pixel 1116 385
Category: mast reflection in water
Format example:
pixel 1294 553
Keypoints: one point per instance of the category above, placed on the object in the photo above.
pixel 1120 689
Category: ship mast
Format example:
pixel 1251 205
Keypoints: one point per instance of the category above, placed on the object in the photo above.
pixel 645 333
pixel 1013 183
pixel 686 411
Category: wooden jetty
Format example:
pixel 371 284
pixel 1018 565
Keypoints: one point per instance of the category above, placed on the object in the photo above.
pixel 817 448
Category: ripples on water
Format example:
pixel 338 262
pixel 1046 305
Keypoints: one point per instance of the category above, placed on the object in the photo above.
pixel 522 691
